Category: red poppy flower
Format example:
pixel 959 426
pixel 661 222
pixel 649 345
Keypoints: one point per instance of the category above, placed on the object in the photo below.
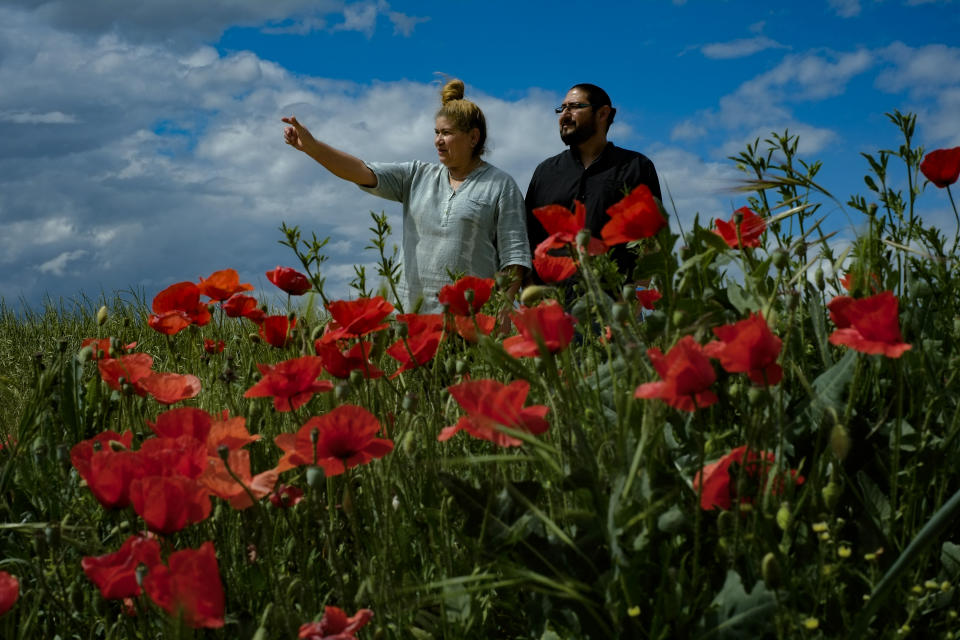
pixel 869 325
pixel 184 421
pixel 229 432
pixel 748 346
pixel 115 574
pixel 291 383
pixel 108 475
pixel 189 586
pixel 648 297
pixel 491 404
pixel 547 322
pixel 241 306
pixel 719 485
pixel 169 503
pixel 182 456
pixel 942 167
pixel 277 330
pixel 222 284
pixel 552 268
pixel 850 281
pixel 455 299
pixel 82 452
pixel 10 592
pixel 132 367
pixel 423 323
pixel 686 375
pixel 359 317
pixel 167 388
pixel 98 345
pixel 467 327
pixel 169 323
pixel 345 438
pixel 213 346
pixel 340 364
pixel 183 297
pixel 290 280
pixel 636 216
pixel 335 625
pixel 751 227
pixel 415 350
pixel 285 496
pixel 222 484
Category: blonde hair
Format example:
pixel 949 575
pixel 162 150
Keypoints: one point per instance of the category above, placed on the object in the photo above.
pixel 464 114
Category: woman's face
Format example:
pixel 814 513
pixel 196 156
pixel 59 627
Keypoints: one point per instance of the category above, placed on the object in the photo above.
pixel 454 147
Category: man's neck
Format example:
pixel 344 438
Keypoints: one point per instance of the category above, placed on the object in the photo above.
pixel 591 149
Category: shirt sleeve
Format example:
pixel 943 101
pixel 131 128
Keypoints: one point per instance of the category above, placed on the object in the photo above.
pixel 513 247
pixel 393 179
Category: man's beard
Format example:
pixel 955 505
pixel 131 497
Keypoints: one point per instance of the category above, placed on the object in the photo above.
pixel 579 134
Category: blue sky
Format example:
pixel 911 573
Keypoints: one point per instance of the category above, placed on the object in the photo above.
pixel 142 144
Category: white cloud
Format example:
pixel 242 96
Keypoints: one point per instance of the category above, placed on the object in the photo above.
pixel 57 266
pixel 739 48
pixel 923 69
pixel 25 117
pixel 403 24
pixel 845 8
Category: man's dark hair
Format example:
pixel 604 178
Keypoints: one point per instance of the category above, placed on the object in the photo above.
pixel 597 97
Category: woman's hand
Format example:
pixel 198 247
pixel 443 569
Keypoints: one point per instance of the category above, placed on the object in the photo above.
pixel 339 163
pixel 297 135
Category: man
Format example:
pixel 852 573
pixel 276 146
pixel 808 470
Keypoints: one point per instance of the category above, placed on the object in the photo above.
pixel 594 171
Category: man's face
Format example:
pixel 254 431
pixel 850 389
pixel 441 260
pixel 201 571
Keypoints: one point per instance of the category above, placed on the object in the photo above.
pixel 577 125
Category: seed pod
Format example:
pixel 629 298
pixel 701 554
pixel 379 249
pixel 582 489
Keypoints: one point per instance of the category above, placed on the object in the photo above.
pixel 315 477
pixel 533 294
pixel 770 569
pixel 781 258
pixel 840 441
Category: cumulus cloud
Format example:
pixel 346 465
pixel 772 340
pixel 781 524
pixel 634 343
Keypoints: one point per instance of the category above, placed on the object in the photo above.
pixel 739 48
pixel 172 163
pixel 845 8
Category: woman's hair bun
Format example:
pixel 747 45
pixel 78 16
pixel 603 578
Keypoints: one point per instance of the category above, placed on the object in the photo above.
pixel 453 90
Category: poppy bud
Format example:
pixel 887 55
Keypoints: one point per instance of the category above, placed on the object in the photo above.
pixel 781 258
pixel 101 316
pixel 755 395
pixel 629 292
pixel 315 477
pixel 85 354
pixel 224 452
pixel 831 494
pixel 407 444
pixel 462 366
pixel 450 366
pixel 840 441
pixel 533 294
pixel 784 516
pixel 254 337
pixel 342 390
pixel 679 318
pixel 356 376
pixel 469 295
pixel 770 569
pixel 818 279
pixel 725 521
pixel 872 209
pixel 410 402
pixel 316 333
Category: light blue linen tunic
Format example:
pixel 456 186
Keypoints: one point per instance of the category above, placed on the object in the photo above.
pixel 478 229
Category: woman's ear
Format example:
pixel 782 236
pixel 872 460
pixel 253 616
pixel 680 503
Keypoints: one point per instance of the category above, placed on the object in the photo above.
pixel 474 136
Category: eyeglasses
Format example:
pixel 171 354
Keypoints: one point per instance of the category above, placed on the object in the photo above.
pixel 573 106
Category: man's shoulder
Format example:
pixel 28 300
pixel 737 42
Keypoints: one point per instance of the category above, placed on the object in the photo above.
pixel 553 162
pixel 621 155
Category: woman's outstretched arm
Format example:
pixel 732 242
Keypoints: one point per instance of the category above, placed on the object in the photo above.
pixel 341 164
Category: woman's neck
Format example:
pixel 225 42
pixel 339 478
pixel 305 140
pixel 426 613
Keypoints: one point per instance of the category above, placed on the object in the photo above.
pixel 460 174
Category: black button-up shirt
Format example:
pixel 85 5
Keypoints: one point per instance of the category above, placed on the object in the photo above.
pixel 562 179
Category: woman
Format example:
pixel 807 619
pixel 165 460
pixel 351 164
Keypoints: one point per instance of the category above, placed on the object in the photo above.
pixel 460 216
